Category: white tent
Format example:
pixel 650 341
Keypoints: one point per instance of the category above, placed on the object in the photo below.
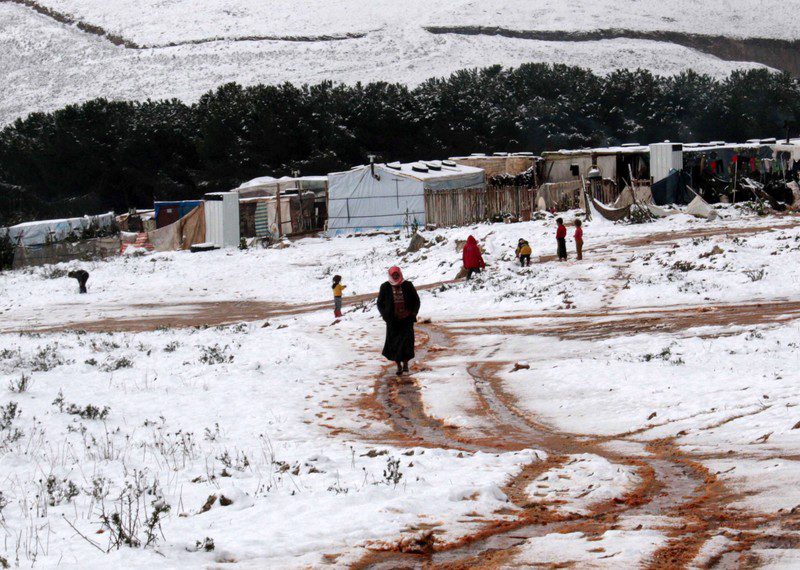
pixel 51 231
pixel 392 195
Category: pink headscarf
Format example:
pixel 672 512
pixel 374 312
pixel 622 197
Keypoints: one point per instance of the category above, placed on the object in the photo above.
pixel 395 271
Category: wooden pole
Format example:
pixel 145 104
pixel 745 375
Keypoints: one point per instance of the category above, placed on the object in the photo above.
pixel 278 210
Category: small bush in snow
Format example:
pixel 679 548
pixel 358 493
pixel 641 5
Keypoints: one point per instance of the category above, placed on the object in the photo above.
pixel 59 492
pixel 172 346
pixel 391 473
pixel 755 274
pixel 100 488
pixel 206 544
pixel 212 435
pixel 215 355
pixel 87 412
pixel 238 462
pixel 8 414
pixel 134 519
pixel 684 266
pixel 8 433
pixel 8 353
pixel 117 364
pixel 21 384
pixel 46 358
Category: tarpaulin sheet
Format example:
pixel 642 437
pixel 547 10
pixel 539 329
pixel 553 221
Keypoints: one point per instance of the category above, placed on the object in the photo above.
pixel 51 231
pixel 672 190
pixel 187 231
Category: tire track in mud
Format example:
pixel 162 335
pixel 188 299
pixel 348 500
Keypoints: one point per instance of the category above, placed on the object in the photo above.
pixel 600 325
pixel 673 486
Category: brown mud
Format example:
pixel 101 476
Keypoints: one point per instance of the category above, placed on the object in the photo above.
pixel 692 504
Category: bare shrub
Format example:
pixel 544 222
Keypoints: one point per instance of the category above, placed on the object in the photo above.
pixel 60 491
pixel 215 354
pixel 134 518
pixel 87 412
pixel 755 274
pixel 116 364
pixel 20 385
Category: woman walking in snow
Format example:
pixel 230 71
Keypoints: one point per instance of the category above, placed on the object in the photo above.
pixel 398 304
pixel 473 260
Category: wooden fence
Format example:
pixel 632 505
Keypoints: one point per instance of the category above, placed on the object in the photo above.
pixel 464 206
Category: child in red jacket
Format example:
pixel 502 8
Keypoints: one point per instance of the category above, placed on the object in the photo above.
pixel 561 239
pixel 473 260
pixel 579 239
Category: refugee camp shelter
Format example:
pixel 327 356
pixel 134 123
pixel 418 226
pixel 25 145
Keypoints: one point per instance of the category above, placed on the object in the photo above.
pixel 786 154
pixel 615 164
pixel 283 206
pixel 269 186
pixel 393 195
pixel 499 163
pixel 167 213
pixel 137 220
pixel 51 231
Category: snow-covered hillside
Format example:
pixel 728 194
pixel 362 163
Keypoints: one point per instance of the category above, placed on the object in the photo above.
pixel 47 63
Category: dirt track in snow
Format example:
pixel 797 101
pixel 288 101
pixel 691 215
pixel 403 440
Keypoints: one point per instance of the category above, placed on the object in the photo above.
pixel 691 502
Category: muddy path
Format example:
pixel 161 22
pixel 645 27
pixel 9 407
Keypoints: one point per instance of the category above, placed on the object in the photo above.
pixel 689 503
pixel 142 317
pixel 599 325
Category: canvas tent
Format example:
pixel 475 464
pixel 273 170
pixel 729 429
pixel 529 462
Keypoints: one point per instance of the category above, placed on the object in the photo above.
pixel 382 196
pixel 269 186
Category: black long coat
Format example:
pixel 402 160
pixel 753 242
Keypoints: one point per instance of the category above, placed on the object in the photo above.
pixel 399 345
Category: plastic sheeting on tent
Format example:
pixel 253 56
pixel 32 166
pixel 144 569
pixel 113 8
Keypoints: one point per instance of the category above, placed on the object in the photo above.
pixel 701 209
pixel 390 197
pixel 189 230
pixel 643 195
pixel 52 231
pixel 673 189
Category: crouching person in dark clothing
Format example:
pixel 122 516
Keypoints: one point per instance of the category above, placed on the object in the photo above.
pixel 398 304
pixel 82 277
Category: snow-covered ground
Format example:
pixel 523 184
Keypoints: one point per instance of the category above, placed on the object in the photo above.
pixel 46 64
pixel 680 334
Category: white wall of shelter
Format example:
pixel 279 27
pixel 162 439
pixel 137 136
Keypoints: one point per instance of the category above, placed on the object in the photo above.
pixel 389 196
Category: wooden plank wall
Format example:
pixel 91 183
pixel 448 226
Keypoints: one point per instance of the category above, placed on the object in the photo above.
pixel 464 206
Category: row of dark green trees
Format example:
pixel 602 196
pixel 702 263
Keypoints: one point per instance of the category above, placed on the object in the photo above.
pixel 103 155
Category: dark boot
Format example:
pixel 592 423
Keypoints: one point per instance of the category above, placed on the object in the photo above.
pixel 399 369
pixel 405 366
